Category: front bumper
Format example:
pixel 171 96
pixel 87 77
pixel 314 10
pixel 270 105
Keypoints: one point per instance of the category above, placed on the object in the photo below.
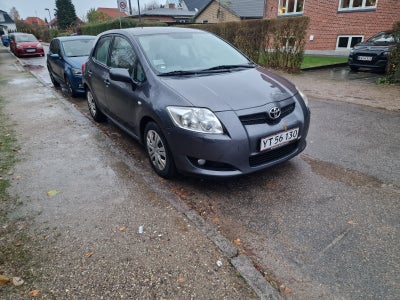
pixel 377 62
pixel 26 53
pixel 237 152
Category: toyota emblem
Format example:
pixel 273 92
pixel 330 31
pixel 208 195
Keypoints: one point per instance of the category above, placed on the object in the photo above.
pixel 274 113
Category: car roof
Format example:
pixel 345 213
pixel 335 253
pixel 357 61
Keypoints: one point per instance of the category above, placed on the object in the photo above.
pixel 75 37
pixel 138 31
pixel 21 33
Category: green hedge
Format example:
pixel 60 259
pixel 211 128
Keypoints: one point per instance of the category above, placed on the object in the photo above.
pixel 274 43
pixel 95 29
pixel 393 68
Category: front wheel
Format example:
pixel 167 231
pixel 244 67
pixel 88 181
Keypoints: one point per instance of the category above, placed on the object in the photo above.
pixel 160 156
pixel 54 81
pixel 95 112
pixel 354 69
pixel 70 89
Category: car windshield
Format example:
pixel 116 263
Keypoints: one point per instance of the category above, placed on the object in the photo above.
pixel 25 38
pixel 76 48
pixel 382 37
pixel 177 53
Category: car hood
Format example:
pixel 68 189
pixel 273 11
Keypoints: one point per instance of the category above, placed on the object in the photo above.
pixel 374 46
pixel 234 90
pixel 76 62
pixel 29 44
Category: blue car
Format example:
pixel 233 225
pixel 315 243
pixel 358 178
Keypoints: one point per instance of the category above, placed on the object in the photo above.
pixel 64 61
pixel 5 40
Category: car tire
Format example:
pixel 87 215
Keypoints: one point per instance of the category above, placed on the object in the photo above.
pixel 70 90
pixel 157 149
pixel 54 81
pixel 94 110
pixel 354 69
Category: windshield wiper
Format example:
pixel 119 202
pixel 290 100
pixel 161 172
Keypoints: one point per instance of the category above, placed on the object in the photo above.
pixel 178 73
pixel 229 67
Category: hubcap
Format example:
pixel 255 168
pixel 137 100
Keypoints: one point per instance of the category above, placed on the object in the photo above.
pixel 91 103
pixel 156 150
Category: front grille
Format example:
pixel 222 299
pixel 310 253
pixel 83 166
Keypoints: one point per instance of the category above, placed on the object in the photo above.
pixel 262 118
pixel 268 156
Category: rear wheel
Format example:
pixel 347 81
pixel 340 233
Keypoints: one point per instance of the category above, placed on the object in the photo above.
pixel 160 156
pixel 95 112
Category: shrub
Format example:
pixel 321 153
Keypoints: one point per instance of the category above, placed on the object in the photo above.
pixel 274 43
pixel 393 68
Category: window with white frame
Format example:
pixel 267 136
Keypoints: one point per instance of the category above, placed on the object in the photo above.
pixel 289 7
pixel 348 5
pixel 348 41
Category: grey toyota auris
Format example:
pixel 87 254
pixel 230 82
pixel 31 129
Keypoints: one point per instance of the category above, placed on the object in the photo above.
pixel 197 104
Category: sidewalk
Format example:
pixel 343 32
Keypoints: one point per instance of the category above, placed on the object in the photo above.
pixel 320 85
pixel 94 227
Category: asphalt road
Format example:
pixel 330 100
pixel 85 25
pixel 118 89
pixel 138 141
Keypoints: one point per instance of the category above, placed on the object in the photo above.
pixel 323 225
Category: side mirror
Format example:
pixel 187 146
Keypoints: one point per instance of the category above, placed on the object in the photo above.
pixel 55 56
pixel 40 41
pixel 119 74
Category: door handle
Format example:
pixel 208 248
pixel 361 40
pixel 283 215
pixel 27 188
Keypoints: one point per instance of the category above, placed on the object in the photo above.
pixel 107 82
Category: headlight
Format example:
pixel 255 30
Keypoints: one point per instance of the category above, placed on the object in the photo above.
pixel 77 72
pixel 20 47
pixel 39 45
pixel 386 53
pixel 195 119
pixel 304 97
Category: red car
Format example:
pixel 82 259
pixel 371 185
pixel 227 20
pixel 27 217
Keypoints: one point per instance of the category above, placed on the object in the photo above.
pixel 24 44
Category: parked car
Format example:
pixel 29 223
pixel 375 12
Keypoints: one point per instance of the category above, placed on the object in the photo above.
pixel 197 104
pixel 373 53
pixel 25 44
pixel 4 40
pixel 64 61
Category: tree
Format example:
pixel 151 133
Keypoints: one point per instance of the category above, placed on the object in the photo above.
pixel 14 14
pixel 65 13
pixel 94 16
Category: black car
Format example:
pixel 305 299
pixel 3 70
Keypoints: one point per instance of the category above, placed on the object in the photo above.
pixel 197 104
pixel 373 53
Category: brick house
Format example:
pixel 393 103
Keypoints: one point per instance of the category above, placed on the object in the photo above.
pixel 338 24
pixel 35 21
pixel 217 11
pixel 113 13
pixel 170 14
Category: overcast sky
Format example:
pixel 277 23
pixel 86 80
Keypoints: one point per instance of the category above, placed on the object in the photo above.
pixel 36 8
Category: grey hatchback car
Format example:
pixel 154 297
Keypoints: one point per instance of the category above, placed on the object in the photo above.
pixel 197 104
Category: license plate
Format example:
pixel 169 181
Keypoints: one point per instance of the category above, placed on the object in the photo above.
pixel 30 50
pixel 365 58
pixel 279 139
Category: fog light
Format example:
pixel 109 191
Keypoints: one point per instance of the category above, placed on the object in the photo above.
pixel 201 162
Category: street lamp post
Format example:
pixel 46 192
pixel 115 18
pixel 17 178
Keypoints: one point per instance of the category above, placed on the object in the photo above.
pixel 49 16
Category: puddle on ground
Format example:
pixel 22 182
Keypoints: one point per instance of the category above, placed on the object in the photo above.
pixel 340 174
pixel 33 67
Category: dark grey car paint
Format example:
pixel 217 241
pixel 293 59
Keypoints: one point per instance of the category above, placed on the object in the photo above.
pixel 227 94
